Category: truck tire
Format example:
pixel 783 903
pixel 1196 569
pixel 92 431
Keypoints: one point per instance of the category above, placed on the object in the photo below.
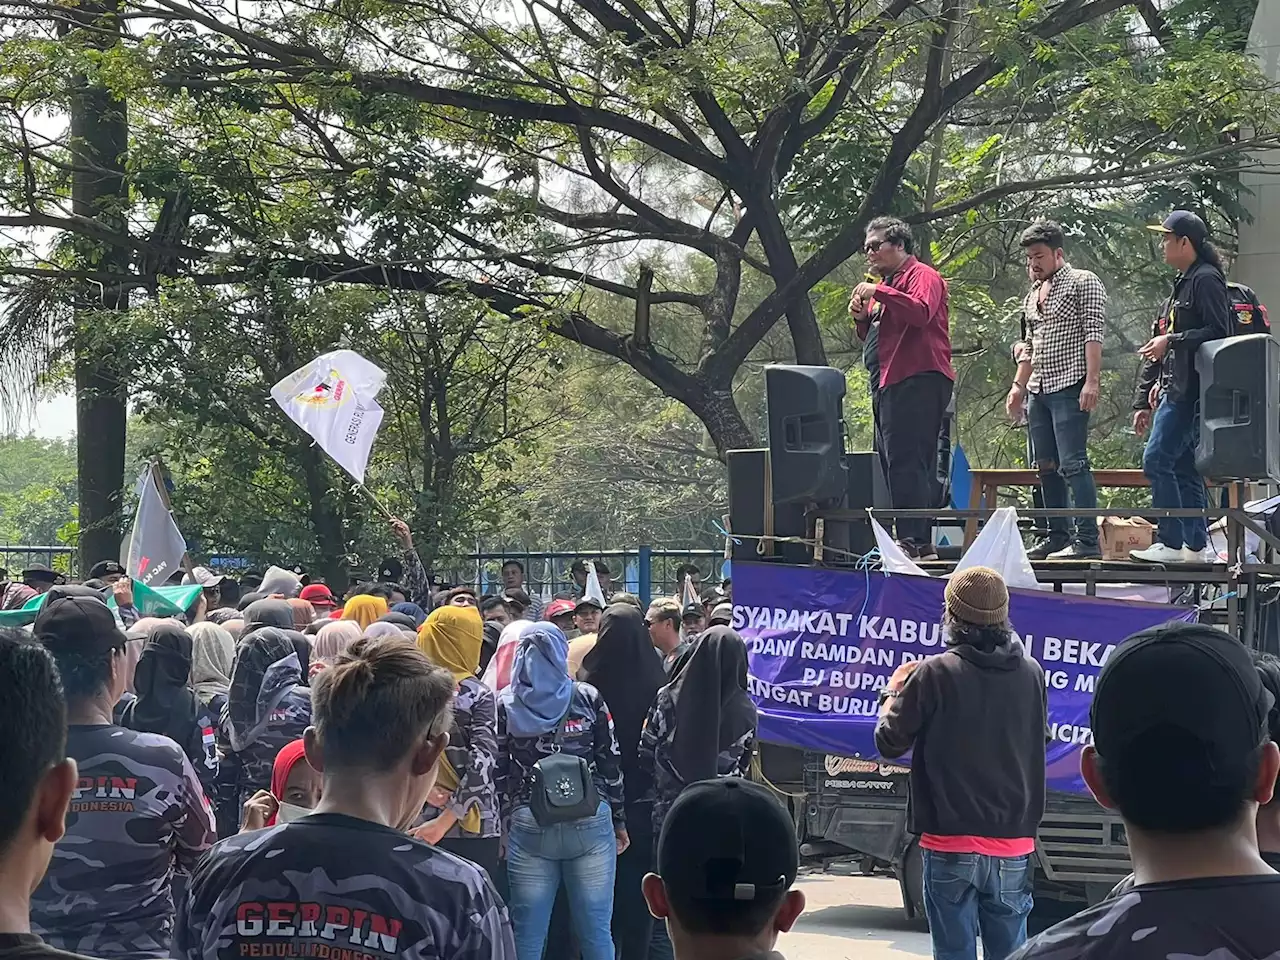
pixel 911 880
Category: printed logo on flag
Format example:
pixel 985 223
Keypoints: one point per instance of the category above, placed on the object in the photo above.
pixel 332 391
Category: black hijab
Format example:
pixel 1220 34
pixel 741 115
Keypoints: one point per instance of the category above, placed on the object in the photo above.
pixel 164 703
pixel 302 647
pixel 268 613
pixel 488 645
pixel 627 671
pixel 712 708
pixel 400 620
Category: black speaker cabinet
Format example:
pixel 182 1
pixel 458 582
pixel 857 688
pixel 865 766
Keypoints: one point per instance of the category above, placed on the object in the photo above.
pixel 806 432
pixel 746 511
pixel 866 488
pixel 1239 408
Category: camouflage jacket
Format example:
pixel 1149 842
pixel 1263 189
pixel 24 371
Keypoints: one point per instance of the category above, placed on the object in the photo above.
pixel 473 753
pixel 655 756
pixel 588 733
pixel 330 885
pixel 138 812
pixel 285 709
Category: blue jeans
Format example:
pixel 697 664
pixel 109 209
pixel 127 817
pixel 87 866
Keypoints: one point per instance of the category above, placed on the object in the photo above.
pixel 1170 464
pixel 969 894
pixel 582 853
pixel 1059 432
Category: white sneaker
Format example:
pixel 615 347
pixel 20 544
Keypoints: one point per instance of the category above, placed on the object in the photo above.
pixel 1207 555
pixel 1158 553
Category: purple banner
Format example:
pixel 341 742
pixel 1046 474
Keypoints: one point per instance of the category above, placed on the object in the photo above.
pixel 823 643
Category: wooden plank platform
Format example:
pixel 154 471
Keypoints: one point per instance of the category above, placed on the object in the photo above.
pixel 984 486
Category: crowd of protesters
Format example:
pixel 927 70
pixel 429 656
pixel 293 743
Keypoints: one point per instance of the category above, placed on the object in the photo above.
pixel 419 772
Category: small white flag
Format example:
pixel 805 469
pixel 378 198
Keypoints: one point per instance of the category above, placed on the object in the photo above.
pixel 593 590
pixel 688 592
pixel 332 399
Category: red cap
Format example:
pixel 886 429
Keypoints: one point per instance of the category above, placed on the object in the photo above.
pixel 558 608
pixel 317 594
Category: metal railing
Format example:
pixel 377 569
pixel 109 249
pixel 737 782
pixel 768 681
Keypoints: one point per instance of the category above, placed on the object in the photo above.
pixel 16 557
pixel 645 571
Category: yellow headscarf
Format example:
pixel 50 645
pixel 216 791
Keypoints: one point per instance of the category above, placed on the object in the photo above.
pixel 452 637
pixel 364 609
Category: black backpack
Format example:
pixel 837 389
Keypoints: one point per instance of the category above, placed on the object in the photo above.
pixel 1248 315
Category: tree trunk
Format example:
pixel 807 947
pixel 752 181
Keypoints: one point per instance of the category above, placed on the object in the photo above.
pixel 719 413
pixel 326 519
pixel 99 127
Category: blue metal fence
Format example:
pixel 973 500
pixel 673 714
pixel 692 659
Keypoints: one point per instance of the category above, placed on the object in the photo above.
pixel 646 571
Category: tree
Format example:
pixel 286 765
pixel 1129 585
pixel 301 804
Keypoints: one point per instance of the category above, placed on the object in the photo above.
pixel 572 152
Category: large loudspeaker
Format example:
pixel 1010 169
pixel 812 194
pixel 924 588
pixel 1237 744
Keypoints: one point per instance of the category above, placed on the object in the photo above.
pixel 806 433
pixel 1239 408
pixel 747 509
pixel 866 488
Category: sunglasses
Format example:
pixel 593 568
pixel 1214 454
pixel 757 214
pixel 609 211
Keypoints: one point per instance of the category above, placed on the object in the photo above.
pixel 873 246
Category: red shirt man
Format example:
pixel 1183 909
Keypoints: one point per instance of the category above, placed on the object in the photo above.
pixel 916 376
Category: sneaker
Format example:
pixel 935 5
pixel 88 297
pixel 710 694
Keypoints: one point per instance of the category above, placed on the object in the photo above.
pixel 1207 555
pixel 1041 549
pixel 916 552
pixel 1076 551
pixel 1158 553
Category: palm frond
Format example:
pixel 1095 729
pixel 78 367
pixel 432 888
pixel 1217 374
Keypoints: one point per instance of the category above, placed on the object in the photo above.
pixel 35 324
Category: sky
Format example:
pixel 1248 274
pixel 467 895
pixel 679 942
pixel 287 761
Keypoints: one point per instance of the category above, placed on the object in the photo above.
pixel 54 417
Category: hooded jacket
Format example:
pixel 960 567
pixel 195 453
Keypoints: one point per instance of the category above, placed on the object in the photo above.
pixel 975 722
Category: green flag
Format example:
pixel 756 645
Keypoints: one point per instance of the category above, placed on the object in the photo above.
pixel 149 601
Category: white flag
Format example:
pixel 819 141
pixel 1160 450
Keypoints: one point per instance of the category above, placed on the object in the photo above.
pixel 156 547
pixel 332 398
pixel 593 589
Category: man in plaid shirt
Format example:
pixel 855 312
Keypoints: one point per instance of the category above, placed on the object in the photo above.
pixel 1059 361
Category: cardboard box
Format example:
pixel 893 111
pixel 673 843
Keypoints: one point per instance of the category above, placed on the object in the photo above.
pixel 1118 535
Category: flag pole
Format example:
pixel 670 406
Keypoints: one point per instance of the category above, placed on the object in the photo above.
pixel 376 502
pixel 157 477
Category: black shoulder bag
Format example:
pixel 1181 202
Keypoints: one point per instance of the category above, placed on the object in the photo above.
pixel 563 788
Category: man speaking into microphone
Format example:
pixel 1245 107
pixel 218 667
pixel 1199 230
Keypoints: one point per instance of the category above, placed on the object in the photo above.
pixel 916 378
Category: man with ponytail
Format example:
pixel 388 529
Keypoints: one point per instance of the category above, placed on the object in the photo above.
pixel 1198 311
pixel 346 880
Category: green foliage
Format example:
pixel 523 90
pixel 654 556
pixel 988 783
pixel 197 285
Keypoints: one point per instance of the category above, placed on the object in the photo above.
pixel 469 195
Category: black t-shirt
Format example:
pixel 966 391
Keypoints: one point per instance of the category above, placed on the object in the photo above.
pixel 27 946
pixel 1227 917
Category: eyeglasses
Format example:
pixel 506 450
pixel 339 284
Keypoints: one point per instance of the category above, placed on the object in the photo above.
pixel 873 246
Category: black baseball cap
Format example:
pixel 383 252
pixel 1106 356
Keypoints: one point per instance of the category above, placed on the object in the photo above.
pixel 728 840
pixel 1190 680
pixel 77 624
pixel 587 602
pixel 1184 223
pixel 693 610
pixel 390 570
pixel 39 572
pixel 105 568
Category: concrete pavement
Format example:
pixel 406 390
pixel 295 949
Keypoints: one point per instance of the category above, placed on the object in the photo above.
pixel 854 918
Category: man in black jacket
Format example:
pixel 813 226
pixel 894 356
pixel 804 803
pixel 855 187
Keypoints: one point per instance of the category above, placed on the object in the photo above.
pixel 976 718
pixel 1198 311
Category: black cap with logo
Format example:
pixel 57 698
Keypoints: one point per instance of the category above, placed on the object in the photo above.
pixel 106 568
pixel 727 839
pixel 1184 223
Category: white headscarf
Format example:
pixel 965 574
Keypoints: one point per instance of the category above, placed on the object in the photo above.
pixel 213 650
